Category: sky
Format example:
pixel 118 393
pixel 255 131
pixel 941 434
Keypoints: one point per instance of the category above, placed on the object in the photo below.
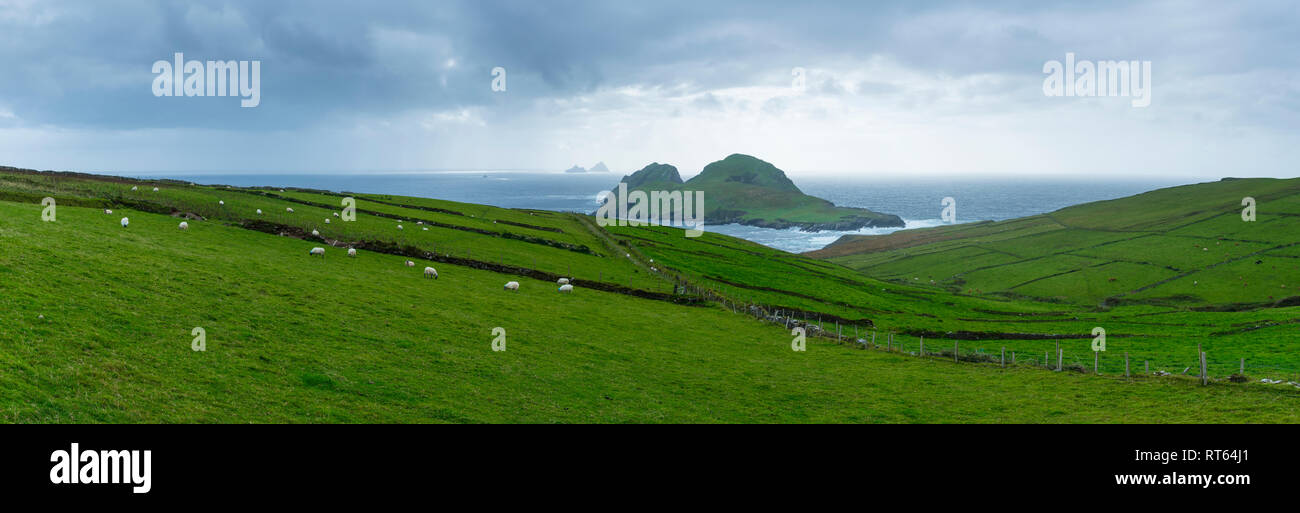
pixel 889 89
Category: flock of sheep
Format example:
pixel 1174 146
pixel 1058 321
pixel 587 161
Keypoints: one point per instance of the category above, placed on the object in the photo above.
pixel 565 286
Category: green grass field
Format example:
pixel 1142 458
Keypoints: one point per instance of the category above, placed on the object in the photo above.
pixel 98 319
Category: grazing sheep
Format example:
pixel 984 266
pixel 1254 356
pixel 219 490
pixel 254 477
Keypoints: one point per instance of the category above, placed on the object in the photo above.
pixel 419 222
pixel 426 228
pixel 221 202
pixel 512 285
pixel 410 263
pixel 336 214
pixel 565 289
pixel 185 225
pixel 155 189
pixel 133 187
pixel 399 227
pixel 317 251
pixel 107 211
pixel 125 222
pixel 327 220
pixel 288 209
pixel 430 272
pixel 315 233
pixel 562 281
pixel 259 211
pixel 352 252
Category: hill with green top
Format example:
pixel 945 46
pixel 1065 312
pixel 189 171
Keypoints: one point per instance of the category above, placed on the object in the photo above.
pixel 745 190
pixel 98 323
pixel 1183 246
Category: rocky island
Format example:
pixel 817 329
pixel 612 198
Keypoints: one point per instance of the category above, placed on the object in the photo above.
pixel 746 190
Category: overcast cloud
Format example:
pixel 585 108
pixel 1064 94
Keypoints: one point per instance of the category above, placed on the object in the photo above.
pixel 892 88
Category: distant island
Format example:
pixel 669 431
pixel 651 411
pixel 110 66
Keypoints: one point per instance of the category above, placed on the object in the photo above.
pixel 745 190
pixel 598 168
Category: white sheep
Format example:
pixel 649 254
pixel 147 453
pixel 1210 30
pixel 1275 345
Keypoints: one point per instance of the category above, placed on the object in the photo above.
pixel 288 209
pixel 184 225
pixel 317 251
pixel 315 233
pixel 565 289
pixel 426 228
pixel 430 272
pixel 512 285
pixel 399 227
pixel 352 252
pixel 327 220
pixel 562 281
pixel 259 211
pixel 133 187
pixel 336 214
pixel 125 222
pixel 221 202
pixel 155 189
pixel 419 222
pixel 107 211
pixel 410 263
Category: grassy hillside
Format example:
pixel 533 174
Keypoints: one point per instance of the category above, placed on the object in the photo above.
pixel 98 318
pixel 1181 246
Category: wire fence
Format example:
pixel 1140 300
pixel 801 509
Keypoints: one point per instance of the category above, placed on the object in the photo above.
pixel 1064 355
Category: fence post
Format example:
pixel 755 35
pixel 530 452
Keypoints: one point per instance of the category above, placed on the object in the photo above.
pixel 1004 357
pixel 1096 362
pixel 838 338
pixel 1146 366
pixel 1013 358
pixel 1125 364
pixel 1058 355
pixel 954 351
pixel 921 352
pixel 873 337
pixel 1205 376
pixel 1242 372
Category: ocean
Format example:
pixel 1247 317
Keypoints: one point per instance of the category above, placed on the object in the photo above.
pixel 917 200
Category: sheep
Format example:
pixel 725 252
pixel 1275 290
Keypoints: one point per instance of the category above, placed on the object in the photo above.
pixel 221 202
pixel 327 220
pixel 565 289
pixel 336 214
pixel 134 187
pixel 107 211
pixel 317 251
pixel 155 189
pixel 512 285
pixel 430 272
pixel 352 252
pixel 125 222
pixel 399 227
pixel 426 228
pixel 315 233
pixel 410 263
pixel 259 211
pixel 419 222
pixel 184 225
pixel 562 281
pixel 288 209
